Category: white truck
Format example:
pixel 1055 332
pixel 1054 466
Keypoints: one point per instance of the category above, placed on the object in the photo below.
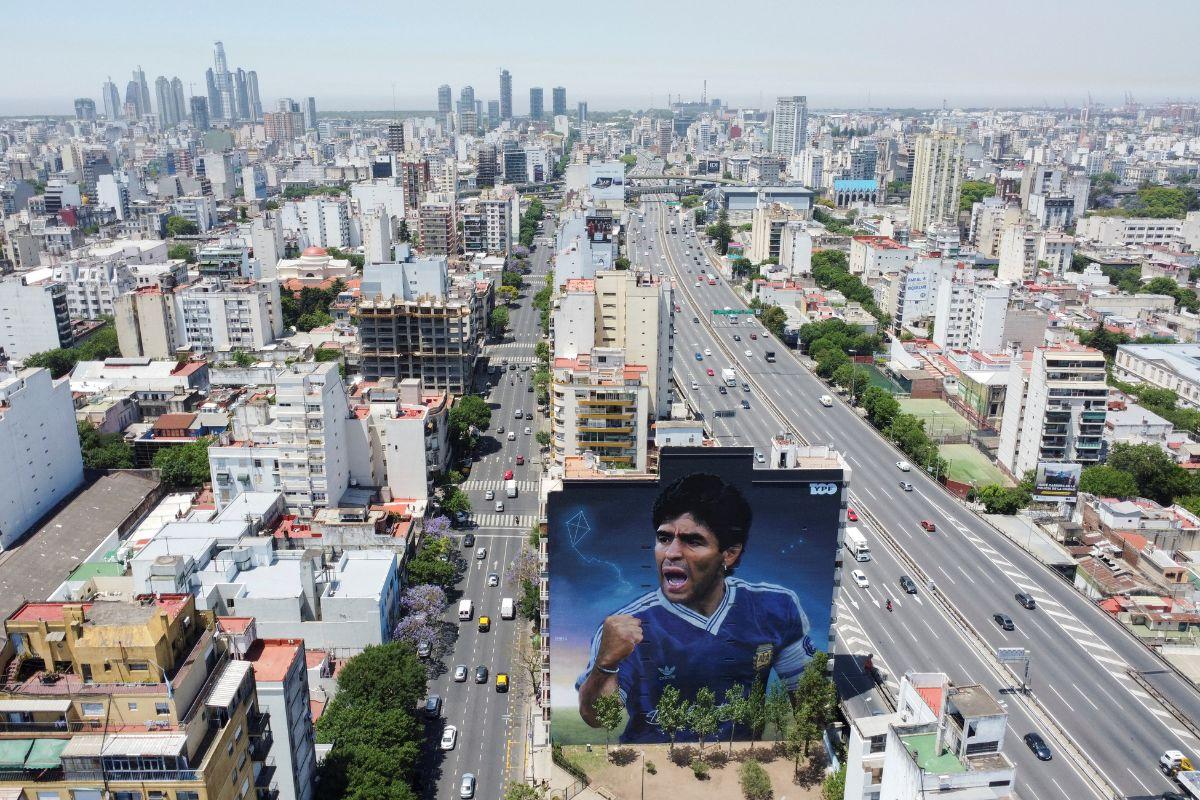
pixel 510 488
pixel 465 609
pixel 856 543
pixel 729 375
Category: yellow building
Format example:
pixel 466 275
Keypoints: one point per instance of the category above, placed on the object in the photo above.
pixel 127 700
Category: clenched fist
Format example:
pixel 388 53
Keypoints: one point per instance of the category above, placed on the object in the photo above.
pixel 620 635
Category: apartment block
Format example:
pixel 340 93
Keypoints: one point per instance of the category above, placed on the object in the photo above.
pixel 129 698
pixel 970 312
pixel 34 316
pixel 1055 408
pixel 198 209
pixel 281 678
pixel 937 180
pixel 300 450
pixel 487 225
pixel 873 256
pixel 220 315
pixel 766 233
pixel 1166 366
pixel 1129 231
pixel 93 286
pixel 439 226
pixel 38 437
pixel 600 404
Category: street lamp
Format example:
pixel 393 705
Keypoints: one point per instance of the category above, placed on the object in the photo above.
pixel 642 756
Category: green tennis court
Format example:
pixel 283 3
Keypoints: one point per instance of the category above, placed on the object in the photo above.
pixel 940 419
pixel 968 465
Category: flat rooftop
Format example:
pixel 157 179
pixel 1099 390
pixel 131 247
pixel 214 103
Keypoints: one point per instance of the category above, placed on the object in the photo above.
pixel 974 701
pixel 33 568
pixel 924 749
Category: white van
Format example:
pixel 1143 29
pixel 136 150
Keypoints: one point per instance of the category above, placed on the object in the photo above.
pixel 465 610
pixel 507 609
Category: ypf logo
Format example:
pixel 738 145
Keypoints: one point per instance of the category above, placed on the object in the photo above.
pixel 822 488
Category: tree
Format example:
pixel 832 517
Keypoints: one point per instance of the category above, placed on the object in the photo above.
pixel 315 319
pixel 543 438
pixel 426 599
pixel 756 711
pixel 423 569
pixel 609 713
pixel 834 786
pixel 1002 500
pixel 699 216
pixel 973 192
pixel 773 319
pixel 796 738
pixel 59 361
pixel 469 412
pixel 103 450
pixel 736 709
pixel 404 235
pixel 514 790
pixel 778 708
pixel 720 232
pixel 816 699
pixel 183 251
pixel 541 351
pixel 523 568
pixel 413 629
pixel 456 501
pixel 703 716
pixel 1104 340
pixel 755 783
pixel 178 226
pixel 184 466
pixel 1157 475
pixel 499 319
pixel 672 714
pixel 1106 481
pixel 507 294
pixel 621 263
pixel 512 279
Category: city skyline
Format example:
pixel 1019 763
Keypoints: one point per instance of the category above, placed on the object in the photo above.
pixel 1041 67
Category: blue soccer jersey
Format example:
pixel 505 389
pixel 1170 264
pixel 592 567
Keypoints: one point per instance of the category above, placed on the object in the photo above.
pixel 758 627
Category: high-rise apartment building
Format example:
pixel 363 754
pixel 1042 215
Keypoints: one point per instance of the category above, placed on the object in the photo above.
pixel 242 93
pixel 111 100
pixel 213 94
pixel 147 323
pixel 180 111
pixel 558 102
pixel 443 105
pixel 937 181
pixel 225 315
pixel 600 404
pixel 1055 408
pixel 199 113
pixel 487 225
pixel 466 100
pixel 130 698
pixel 34 316
pixel 144 100
pixel 164 102
pixel 789 127
pixel 439 225
pixel 535 103
pixel 85 109
pixel 42 459
pixel 395 137
pixel 969 312
pixel 279 126
pixel 505 95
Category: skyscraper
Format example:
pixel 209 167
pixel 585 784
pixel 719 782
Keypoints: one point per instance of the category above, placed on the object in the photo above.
pixel 165 102
pixel 199 113
pixel 789 130
pixel 224 83
pixel 505 95
pixel 493 117
pixel 558 100
pixel 466 99
pixel 582 112
pixel 255 98
pixel 214 94
pixel 133 100
pixel 180 102
pixel 111 99
pixel 85 109
pixel 535 102
pixel 936 181
pixel 310 113
pixel 395 137
pixel 444 105
pixel 242 93
pixel 145 103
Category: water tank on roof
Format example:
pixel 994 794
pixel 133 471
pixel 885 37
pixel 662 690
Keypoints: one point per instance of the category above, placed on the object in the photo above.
pixel 242 556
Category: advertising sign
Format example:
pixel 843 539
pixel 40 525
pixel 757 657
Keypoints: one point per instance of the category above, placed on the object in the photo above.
pixel 1056 481
pixel 716 575
pixel 606 182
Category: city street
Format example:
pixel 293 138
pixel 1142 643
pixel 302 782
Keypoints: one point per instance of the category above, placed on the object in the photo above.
pixel 978 570
pixel 487 720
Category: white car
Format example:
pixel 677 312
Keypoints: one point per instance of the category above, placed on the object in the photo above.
pixel 749 354
pixel 826 400
pixel 449 737
pixel 499 506
pixel 518 414
pixel 489 495
pixel 695 385
pixel 860 579
pixel 903 466
pixel 512 436
pixel 528 430
pixel 708 351
pixel 759 457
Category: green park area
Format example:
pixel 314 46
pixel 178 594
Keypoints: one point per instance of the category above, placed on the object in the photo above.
pixel 968 465
pixel 939 418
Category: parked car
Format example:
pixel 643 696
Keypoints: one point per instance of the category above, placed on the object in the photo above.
pixel 424 649
pixel 433 707
pixel 1004 621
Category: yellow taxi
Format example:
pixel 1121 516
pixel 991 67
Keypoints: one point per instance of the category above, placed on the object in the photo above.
pixel 501 681
pixel 485 624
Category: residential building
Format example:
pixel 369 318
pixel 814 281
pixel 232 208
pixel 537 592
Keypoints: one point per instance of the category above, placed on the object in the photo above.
pixel 789 126
pixel 377 235
pixel 198 209
pixel 143 702
pixel 41 449
pixel 1165 366
pixel 937 180
pixel 301 451
pixel 224 260
pixel 535 103
pixel 970 312
pixel 796 248
pixel 281 677
pixel 34 316
pixel 439 226
pixel 409 428
pixel 874 256
pixel 766 233
pixel 1055 408
pixel 1130 231
pixel 1018 254
pixel 220 315
pixel 635 313
pixel 942 741
pixel 147 321
pixel 600 404
pixel 487 225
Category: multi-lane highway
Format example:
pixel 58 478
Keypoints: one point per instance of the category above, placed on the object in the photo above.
pixel 1080 658
pixel 489 744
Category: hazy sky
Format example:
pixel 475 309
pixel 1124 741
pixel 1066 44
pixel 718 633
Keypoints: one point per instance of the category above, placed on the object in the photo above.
pixel 614 53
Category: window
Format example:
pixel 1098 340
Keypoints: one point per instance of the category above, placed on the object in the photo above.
pixel 92 709
pixel 162 708
pixel 187 795
pixel 132 706
pixel 878 743
pixel 138 666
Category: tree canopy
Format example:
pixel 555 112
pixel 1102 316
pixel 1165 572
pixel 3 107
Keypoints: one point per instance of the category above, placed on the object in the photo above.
pixel 184 466
pixel 103 450
pixel 469 411
pixel 973 192
pixel 178 226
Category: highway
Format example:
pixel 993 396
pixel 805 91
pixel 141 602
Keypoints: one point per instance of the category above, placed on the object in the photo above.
pixel 489 737
pixel 1079 655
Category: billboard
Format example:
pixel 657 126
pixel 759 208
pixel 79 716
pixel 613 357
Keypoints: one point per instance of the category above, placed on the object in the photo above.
pixel 1056 481
pixel 606 182
pixel 714 575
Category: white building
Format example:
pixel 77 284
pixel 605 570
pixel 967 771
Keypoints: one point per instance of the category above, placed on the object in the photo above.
pixel 266 235
pixel 873 256
pixel 110 193
pixel 1165 366
pixel 789 127
pixel 795 248
pixel 942 741
pixel 377 236
pixel 313 267
pixel 600 405
pixel 386 192
pixel 1055 408
pixel 198 209
pixel 148 323
pixel 970 313
pixel 281 682
pixel 487 225
pixel 1127 231
pixel 34 316
pixel 42 459
pixel 300 450
pixel 219 316
pixel 92 286
pixel 1018 254
pixel 1055 251
pixel 936 181
pixel 320 221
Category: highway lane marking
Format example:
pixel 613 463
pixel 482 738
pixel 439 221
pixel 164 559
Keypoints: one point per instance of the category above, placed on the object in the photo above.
pixel 967 674
pixel 1061 789
pixel 1139 780
pixel 963 571
pixel 930 627
pixel 1057 694
pixel 1059 614
pixel 1087 699
pixel 947 574
pixel 1107 660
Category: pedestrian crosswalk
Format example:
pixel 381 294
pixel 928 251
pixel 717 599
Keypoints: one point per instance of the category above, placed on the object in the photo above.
pixel 522 521
pixel 497 486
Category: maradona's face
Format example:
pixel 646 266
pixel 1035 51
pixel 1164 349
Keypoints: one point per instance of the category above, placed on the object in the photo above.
pixel 690 562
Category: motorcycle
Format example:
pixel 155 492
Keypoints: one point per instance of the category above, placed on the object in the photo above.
pixel 889 604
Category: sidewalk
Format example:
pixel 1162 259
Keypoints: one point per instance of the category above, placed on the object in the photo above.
pixel 540 767
pixel 1029 536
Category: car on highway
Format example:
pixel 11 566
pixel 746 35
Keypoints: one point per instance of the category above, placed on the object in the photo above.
pixel 745 386
pixel 695 319
pixel 460 673
pixel 906 486
pixel 529 388
pixel 424 649
pixel 508 474
pixel 500 431
pixel 528 415
pixel 737 338
pixel 825 400
pixel 433 707
pixel 908 584
pixel 749 354
pixel 1026 600
pixel 710 372
pixel 851 515
pixel 1004 621
pixel 489 495
pixel 928 525
pixel 469 540
pixel 481 674
pixel 493 579
pixel 466 788
pixel 745 403
pixel 449 737
pixel 903 465
pixel 708 351
pixel 860 579
pixel 499 506
pixel 1038 746
pixel 485 624
pixel 528 430
pixel 501 681
pixel 699 356
pixel 754 336
pixel 722 389
pixel 520 461
pixel 518 414
pixel 480 553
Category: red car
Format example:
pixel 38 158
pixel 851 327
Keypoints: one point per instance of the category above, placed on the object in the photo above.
pixel 710 372
pixel 928 525
pixel 754 336
pixel 851 515
pixel 508 475
pixel 520 461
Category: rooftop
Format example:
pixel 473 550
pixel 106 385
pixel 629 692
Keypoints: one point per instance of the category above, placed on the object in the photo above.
pixel 272 658
pixel 923 747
